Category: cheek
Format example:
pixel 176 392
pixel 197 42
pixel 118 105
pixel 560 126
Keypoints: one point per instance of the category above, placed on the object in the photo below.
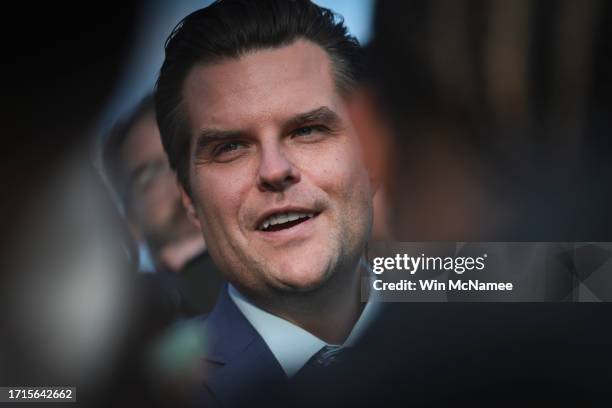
pixel 352 192
pixel 150 211
pixel 341 173
pixel 219 194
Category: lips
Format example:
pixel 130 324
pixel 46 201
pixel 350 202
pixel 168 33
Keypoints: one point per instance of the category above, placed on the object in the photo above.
pixel 283 219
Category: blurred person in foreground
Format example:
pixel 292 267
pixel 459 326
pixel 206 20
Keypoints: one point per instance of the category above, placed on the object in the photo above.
pixel 68 293
pixel 138 170
pixel 486 121
pixel 491 121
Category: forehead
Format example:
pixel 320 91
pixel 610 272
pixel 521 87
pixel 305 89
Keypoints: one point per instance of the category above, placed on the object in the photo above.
pixel 142 143
pixel 262 85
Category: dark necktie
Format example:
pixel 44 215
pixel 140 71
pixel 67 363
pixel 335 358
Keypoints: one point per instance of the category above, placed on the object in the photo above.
pixel 320 361
pixel 327 356
pixel 311 383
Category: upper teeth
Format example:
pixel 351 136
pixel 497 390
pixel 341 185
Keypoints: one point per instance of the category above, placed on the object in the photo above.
pixel 283 218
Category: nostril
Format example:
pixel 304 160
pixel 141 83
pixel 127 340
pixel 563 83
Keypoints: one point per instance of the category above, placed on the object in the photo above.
pixel 277 183
pixel 276 171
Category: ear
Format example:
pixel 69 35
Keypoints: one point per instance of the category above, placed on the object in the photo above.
pixel 374 132
pixel 189 207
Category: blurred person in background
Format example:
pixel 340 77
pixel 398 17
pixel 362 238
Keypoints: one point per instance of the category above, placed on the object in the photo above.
pixel 138 170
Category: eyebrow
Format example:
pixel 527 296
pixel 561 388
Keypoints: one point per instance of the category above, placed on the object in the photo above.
pixel 321 114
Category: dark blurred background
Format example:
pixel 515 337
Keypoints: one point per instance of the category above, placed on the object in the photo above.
pixel 501 118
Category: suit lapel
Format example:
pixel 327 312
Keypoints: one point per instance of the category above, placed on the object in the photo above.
pixel 239 364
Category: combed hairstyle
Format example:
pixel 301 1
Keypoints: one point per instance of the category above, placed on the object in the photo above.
pixel 113 167
pixel 229 29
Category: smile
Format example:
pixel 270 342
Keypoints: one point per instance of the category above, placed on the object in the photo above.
pixel 280 221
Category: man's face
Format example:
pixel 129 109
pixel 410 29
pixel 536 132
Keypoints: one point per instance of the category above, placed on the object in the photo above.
pixel 155 208
pixel 278 185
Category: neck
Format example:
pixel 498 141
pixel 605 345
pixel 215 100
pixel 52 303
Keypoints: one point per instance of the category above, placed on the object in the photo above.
pixel 329 312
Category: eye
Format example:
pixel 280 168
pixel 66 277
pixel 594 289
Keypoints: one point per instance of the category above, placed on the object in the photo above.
pixel 304 131
pixel 309 131
pixel 228 151
pixel 149 175
pixel 227 147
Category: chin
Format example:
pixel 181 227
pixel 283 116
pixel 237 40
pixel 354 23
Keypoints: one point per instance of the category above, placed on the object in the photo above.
pixel 303 279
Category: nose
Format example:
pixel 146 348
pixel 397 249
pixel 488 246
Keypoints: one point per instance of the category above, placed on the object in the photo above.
pixel 276 171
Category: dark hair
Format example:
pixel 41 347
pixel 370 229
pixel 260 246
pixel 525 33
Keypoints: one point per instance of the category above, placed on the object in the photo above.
pixel 231 28
pixel 111 151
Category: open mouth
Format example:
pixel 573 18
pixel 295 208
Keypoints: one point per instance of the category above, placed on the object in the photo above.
pixel 281 221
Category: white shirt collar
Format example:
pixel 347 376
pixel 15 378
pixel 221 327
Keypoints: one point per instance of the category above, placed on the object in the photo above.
pixel 291 345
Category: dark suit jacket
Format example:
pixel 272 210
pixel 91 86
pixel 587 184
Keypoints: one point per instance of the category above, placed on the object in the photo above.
pixel 423 355
pixel 238 367
pixel 474 354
